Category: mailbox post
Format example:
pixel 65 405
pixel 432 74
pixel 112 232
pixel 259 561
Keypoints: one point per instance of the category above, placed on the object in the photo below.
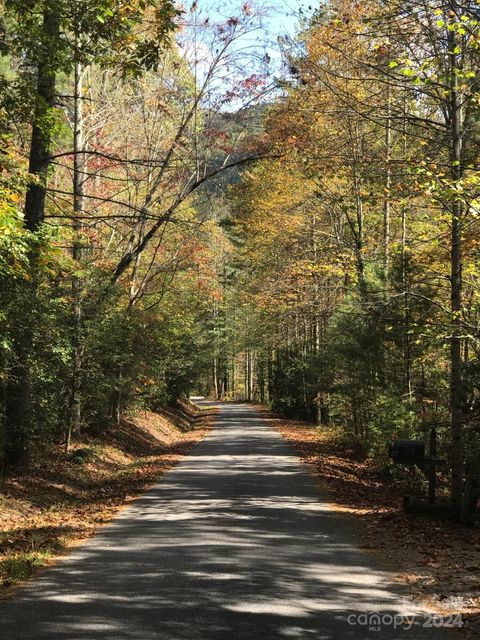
pixel 407 451
pixel 432 471
pixel 412 452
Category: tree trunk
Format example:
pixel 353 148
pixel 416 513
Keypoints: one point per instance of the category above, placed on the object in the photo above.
pixel 456 373
pixel 407 376
pixel 18 406
pixel 74 418
pixel 215 377
pixel 388 186
pixel 39 159
pixel 117 410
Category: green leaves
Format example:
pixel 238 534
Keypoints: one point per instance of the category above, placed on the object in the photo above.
pixel 106 13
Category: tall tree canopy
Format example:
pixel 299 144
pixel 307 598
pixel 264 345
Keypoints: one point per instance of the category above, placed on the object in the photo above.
pixel 178 213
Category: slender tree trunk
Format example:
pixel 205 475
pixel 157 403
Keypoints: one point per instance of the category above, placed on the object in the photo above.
pixel 215 352
pixel 261 378
pixel 406 311
pixel 252 371
pixel 388 187
pixel 74 418
pixel 215 376
pixel 119 397
pixel 270 375
pixel 356 227
pixel 456 370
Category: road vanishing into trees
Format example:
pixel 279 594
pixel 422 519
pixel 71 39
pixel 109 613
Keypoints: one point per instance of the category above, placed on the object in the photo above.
pixel 235 543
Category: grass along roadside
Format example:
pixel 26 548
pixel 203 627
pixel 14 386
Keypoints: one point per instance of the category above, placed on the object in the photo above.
pixel 438 559
pixel 63 499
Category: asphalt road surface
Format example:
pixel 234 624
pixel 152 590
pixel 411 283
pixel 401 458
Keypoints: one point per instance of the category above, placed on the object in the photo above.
pixel 235 543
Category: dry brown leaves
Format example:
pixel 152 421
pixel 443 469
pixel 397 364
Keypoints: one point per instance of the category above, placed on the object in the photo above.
pixel 61 501
pixel 438 559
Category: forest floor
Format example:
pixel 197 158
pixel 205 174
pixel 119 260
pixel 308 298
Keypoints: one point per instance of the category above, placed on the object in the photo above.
pixel 62 499
pixel 438 559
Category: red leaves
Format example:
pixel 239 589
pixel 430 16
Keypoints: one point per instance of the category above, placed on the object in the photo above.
pixel 254 83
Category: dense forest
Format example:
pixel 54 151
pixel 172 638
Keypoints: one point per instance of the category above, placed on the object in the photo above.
pixel 182 213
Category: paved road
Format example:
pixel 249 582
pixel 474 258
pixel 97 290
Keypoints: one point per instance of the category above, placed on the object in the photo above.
pixel 234 544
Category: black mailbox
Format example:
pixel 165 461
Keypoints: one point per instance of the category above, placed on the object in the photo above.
pixel 407 451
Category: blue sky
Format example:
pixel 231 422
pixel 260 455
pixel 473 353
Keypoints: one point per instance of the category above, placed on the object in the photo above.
pixel 282 13
pixel 281 16
pixel 254 53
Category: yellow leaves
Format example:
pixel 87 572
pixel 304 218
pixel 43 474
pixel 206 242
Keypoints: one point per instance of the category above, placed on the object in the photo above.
pixel 11 217
pixel 305 271
pixel 271 198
